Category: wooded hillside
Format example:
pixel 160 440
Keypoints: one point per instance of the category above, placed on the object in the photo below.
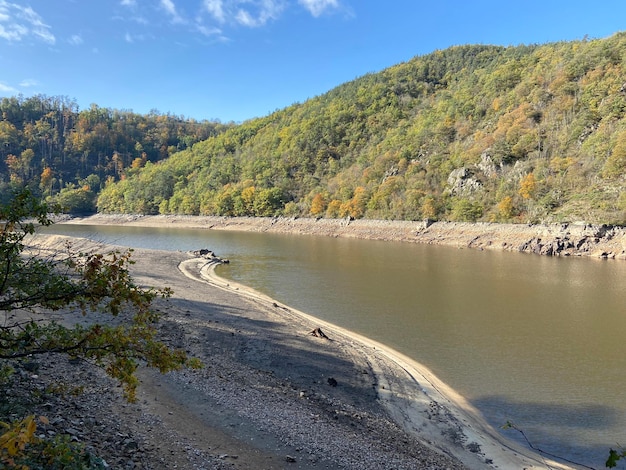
pixel 68 155
pixel 525 134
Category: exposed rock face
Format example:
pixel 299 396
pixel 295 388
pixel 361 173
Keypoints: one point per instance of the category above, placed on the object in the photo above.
pixel 461 181
pixel 577 240
pixel 487 166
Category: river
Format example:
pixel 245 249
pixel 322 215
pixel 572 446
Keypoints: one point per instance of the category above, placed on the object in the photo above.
pixel 533 340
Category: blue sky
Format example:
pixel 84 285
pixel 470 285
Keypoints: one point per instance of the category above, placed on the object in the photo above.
pixel 238 59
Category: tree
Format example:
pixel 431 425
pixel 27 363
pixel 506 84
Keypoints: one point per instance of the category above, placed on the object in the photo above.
pixel 9 137
pixel 248 195
pixel 355 207
pixel 429 209
pixel 464 210
pixel 268 202
pixel 47 179
pixel 616 163
pixel 318 205
pixel 614 457
pixel 76 200
pixel 88 283
pixel 506 207
pixel 333 209
pixel 528 186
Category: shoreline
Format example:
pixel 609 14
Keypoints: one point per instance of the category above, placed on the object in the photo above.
pixel 263 400
pixel 411 390
pixel 412 396
pixel 573 239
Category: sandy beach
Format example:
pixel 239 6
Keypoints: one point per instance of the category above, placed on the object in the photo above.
pixel 274 395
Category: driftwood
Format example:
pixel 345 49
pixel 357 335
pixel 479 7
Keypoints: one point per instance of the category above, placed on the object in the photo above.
pixel 317 332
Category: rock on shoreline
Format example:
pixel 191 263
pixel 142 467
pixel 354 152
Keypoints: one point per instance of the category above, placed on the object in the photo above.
pixel 574 239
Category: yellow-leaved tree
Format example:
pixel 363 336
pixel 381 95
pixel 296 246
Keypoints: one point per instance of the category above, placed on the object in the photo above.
pixel 528 186
pixel 318 205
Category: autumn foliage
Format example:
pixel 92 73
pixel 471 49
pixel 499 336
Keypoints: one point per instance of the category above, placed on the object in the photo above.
pixel 385 145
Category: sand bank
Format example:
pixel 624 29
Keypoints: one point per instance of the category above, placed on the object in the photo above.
pixel 413 396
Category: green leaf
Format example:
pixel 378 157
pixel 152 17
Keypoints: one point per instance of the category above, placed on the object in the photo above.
pixel 614 457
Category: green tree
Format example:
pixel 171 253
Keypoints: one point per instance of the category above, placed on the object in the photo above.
pixel 76 200
pixel 614 457
pixel 88 282
pixel 615 165
pixel 9 137
pixel 464 210
pixel 268 202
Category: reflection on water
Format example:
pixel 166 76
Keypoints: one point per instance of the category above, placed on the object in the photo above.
pixel 534 340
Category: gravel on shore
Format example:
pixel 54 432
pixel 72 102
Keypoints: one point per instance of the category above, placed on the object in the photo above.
pixel 264 400
pixel 280 390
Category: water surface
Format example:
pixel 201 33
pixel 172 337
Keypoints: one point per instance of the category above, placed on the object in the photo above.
pixel 533 340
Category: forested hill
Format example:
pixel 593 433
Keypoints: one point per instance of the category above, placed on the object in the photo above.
pixel 67 155
pixel 528 133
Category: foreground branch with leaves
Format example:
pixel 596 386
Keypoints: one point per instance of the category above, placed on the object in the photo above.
pixel 121 332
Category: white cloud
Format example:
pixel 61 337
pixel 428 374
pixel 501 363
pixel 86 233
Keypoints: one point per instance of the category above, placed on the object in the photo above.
pixel 38 27
pixel 216 9
pixel 317 7
pixel 133 38
pixel 244 18
pixel 6 88
pixel 262 12
pixel 170 8
pixel 28 82
pixel 13 33
pixel 18 22
pixel 256 13
pixel 206 31
pixel 213 14
pixel 75 40
pixel 135 16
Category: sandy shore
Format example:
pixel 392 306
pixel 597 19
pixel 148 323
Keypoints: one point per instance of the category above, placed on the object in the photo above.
pixel 275 396
pixel 413 396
